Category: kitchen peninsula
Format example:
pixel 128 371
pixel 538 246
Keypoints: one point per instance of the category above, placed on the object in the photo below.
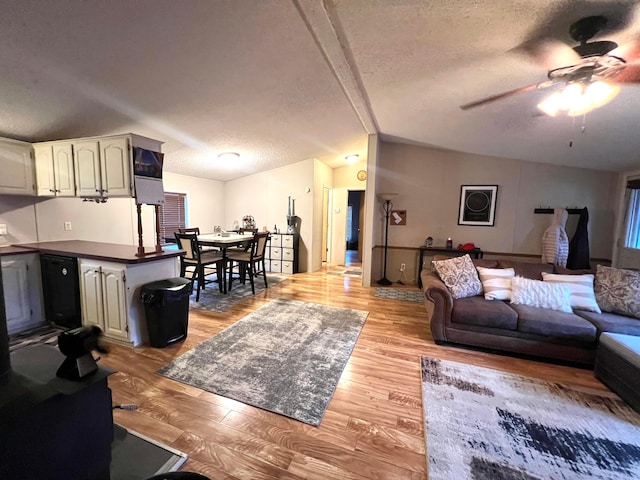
pixel 111 276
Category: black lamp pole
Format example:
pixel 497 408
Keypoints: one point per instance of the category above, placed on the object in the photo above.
pixel 386 207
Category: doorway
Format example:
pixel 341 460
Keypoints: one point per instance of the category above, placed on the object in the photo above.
pixel 354 230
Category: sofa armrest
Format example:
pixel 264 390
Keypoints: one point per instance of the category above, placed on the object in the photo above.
pixel 439 304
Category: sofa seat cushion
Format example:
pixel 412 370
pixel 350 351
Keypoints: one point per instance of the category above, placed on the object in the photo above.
pixel 527 270
pixel 554 324
pixel 612 322
pixel 485 313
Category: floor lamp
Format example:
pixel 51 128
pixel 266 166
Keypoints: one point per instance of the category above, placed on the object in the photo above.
pixel 386 208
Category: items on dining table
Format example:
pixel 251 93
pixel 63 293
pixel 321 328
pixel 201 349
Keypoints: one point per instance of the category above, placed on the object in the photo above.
pixel 248 222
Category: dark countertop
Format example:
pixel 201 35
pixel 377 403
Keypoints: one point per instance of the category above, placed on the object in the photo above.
pixel 111 252
pixel 14 250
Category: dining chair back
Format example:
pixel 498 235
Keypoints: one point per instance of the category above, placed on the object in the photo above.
pixel 251 262
pixel 199 263
pixel 195 230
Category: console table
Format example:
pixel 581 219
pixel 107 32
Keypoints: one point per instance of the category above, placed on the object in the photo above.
pixel 453 252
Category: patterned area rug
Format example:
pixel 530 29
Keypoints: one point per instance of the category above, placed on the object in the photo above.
pixel 286 357
pixel 484 424
pixel 400 294
pixel 211 299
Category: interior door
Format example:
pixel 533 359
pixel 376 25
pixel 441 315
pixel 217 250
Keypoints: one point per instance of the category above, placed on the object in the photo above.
pixel 325 223
pixel 360 227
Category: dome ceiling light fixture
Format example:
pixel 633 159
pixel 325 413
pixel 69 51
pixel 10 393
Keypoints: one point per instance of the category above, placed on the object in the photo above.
pixel 228 156
pixel 352 158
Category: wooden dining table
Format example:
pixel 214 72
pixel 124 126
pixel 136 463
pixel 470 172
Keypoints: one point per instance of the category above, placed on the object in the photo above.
pixel 223 242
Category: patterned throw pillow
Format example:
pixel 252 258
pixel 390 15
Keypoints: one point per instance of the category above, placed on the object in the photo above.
pixel 496 282
pixel 537 293
pixel 618 290
pixel 581 287
pixel 459 275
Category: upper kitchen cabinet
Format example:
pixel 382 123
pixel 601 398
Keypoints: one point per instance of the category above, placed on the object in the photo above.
pixel 54 169
pixel 104 165
pixel 16 165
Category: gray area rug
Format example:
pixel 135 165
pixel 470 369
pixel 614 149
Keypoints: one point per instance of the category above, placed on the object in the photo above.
pixel 285 357
pixel 211 299
pixel 484 424
pixel 400 294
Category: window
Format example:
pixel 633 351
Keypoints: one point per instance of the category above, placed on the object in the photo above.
pixel 633 227
pixel 172 215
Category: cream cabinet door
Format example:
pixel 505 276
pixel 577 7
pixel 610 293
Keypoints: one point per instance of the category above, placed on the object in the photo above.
pixel 45 179
pixel 114 303
pixel 16 165
pixel 87 169
pixel 16 294
pixel 91 294
pixel 115 167
pixel 63 170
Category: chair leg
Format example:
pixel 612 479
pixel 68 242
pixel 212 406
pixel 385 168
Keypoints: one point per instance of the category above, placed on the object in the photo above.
pixel 253 287
pixel 220 275
pixel 230 275
pixel 264 274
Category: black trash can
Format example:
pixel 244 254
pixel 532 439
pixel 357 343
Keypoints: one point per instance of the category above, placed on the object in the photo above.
pixel 166 307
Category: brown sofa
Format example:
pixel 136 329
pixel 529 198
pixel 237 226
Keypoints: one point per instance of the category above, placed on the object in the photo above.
pixel 499 325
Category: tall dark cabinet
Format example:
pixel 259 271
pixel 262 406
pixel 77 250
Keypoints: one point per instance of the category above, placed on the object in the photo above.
pixel 61 290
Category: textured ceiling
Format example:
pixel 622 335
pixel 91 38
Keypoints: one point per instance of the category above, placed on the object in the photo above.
pixel 280 81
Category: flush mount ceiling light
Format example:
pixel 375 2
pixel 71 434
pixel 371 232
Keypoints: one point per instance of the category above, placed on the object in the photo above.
pixel 353 158
pixel 229 156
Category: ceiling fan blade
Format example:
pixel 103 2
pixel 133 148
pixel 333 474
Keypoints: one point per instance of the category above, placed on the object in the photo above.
pixel 630 74
pixel 549 54
pixel 500 96
pixel 629 52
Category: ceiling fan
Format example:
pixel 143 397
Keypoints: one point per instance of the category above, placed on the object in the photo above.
pixel 589 72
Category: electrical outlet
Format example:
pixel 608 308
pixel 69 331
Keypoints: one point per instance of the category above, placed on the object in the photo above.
pixel 67 226
pixel 3 229
pixel 402 267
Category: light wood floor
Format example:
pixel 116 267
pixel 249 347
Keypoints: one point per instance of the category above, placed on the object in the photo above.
pixel 373 427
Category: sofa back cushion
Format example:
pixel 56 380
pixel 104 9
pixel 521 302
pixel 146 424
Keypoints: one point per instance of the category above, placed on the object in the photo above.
pixel 535 293
pixel 527 270
pixel 618 290
pixel 496 282
pixel 459 275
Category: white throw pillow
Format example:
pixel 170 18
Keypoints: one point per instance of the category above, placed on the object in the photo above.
pixel 496 282
pixel 459 275
pixel 581 287
pixel 537 293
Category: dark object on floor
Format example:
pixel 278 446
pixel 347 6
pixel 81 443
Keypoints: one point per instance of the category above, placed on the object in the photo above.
pixel 43 335
pixel 77 345
pixel 179 476
pixel 618 366
pixel 166 307
pixel 136 457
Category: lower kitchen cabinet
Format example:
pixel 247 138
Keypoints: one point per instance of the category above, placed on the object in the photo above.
pixel 21 285
pixel 110 296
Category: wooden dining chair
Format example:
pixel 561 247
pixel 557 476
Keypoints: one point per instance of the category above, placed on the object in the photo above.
pixel 196 230
pixel 250 261
pixel 199 263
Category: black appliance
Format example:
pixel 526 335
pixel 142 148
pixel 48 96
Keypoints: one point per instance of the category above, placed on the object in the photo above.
pixel 61 290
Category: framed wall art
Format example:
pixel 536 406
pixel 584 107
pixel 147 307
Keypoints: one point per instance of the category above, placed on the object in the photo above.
pixel 478 205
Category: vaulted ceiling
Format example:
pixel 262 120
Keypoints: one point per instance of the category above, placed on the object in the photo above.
pixel 279 81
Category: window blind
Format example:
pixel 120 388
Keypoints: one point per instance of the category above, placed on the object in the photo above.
pixel 172 214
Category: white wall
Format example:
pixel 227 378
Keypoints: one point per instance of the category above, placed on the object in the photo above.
pixel 205 200
pixel 33 219
pixel 428 182
pixel 265 196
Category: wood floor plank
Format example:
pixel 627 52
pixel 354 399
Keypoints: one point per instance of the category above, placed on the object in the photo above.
pixel 373 427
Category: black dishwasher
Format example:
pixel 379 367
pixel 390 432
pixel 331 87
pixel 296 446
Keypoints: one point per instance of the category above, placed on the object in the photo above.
pixel 61 290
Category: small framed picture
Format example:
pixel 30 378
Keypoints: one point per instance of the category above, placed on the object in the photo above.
pixel 478 205
pixel 398 217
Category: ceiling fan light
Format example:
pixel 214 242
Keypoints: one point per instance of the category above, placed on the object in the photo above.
pixel 601 93
pixel 571 94
pixel 551 104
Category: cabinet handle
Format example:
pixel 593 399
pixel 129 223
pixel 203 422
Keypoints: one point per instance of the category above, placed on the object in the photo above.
pixel 52 190
pixel 97 190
